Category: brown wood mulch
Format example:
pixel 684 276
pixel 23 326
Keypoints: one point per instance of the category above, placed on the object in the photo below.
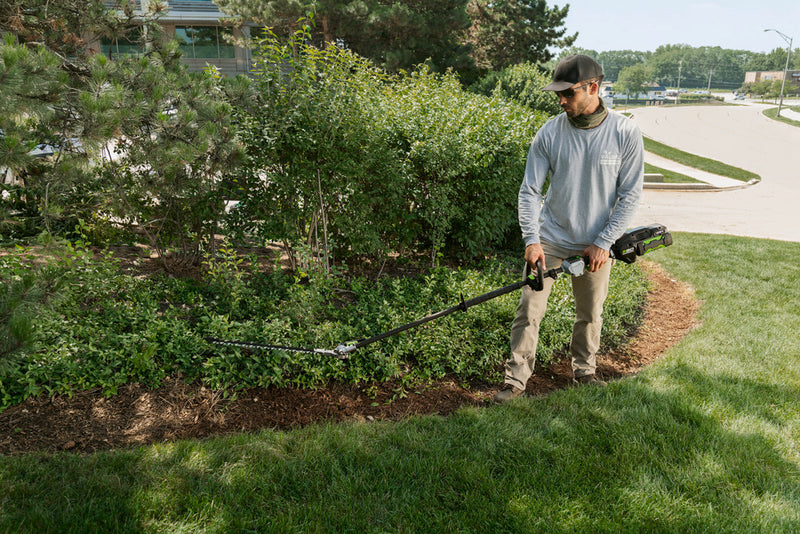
pixel 89 421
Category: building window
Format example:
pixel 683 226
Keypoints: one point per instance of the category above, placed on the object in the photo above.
pixel 205 6
pixel 204 42
pixel 126 46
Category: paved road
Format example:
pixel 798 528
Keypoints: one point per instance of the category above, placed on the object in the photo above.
pixel 740 136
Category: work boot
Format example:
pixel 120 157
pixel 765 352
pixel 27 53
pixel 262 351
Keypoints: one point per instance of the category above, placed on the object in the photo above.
pixel 507 393
pixel 588 379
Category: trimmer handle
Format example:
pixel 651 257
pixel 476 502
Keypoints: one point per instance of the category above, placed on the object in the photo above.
pixel 535 281
pixel 574 266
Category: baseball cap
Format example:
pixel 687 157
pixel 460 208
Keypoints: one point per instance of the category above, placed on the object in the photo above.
pixel 574 69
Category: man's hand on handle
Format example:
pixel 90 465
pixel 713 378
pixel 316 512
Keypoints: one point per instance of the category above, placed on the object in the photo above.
pixel 534 253
pixel 595 257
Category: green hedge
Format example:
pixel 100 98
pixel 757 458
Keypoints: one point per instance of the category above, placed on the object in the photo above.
pixel 343 157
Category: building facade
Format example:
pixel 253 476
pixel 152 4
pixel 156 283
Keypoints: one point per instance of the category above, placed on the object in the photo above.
pixel 199 28
pixel 792 78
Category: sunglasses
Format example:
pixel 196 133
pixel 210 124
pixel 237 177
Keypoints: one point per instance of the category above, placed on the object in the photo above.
pixel 569 93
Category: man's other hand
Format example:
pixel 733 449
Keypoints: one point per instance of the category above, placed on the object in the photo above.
pixel 597 257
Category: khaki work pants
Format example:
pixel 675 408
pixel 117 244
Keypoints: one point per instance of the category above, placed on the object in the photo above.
pixel 590 291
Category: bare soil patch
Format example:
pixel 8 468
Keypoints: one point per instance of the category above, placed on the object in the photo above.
pixel 88 421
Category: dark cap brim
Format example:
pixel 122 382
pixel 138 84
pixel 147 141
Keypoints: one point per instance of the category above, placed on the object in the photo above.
pixel 558 86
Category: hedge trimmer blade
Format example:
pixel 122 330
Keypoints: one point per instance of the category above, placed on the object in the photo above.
pixel 341 352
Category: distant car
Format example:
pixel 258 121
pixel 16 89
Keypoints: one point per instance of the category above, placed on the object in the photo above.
pixel 738 97
pixel 42 150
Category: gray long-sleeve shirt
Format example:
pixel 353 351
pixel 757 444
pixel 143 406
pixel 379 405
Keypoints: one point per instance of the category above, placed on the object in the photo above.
pixel 596 178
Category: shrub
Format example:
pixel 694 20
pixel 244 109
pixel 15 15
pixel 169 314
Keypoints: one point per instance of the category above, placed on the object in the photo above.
pixel 344 158
pixel 23 292
pixel 466 154
pixel 522 83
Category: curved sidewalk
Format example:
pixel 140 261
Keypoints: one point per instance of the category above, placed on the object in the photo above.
pixel 789 114
pixel 740 136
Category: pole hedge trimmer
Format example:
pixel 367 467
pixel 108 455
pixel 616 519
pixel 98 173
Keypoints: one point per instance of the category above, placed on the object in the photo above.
pixel 633 243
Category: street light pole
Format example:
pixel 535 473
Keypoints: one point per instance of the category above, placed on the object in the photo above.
pixel 786 67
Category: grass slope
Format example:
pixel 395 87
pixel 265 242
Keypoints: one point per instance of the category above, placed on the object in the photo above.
pixel 705 440
pixel 698 162
pixel 772 113
pixel 670 177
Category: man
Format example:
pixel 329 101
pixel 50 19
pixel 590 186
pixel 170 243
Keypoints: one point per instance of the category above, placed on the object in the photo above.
pixel 595 161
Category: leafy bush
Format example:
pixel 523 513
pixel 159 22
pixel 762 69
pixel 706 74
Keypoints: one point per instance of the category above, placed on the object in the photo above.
pixel 319 174
pixel 766 88
pixel 344 158
pixel 466 155
pixel 522 83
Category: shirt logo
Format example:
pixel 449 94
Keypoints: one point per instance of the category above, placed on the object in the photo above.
pixel 611 159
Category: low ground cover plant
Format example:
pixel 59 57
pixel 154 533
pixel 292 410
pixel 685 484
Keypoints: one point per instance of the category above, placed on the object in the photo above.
pixel 109 327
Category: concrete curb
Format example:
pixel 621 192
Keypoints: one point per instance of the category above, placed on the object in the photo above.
pixel 703 187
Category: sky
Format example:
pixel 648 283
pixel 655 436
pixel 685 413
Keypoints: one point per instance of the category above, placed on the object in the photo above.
pixel 644 25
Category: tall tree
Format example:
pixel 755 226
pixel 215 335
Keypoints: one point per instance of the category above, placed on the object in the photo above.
pixel 283 17
pixel 696 66
pixel 612 61
pixel 401 35
pixel 60 25
pixel 174 127
pixel 775 59
pixel 48 88
pixel 398 35
pixel 394 35
pixel 510 32
pixel 632 80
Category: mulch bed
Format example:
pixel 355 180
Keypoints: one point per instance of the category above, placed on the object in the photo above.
pixel 88 421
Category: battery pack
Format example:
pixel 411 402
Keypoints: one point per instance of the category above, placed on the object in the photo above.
pixel 639 241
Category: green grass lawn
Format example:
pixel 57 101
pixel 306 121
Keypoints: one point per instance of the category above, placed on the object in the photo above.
pixel 670 177
pixel 772 113
pixel 707 439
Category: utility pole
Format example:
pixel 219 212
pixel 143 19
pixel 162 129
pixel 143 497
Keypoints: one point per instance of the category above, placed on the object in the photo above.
pixel 788 54
pixel 678 96
pixel 710 72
